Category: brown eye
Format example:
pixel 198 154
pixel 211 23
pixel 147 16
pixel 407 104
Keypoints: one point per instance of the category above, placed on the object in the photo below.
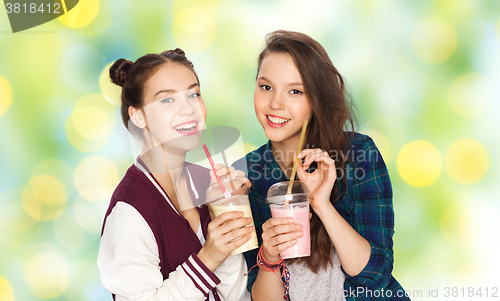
pixel 265 87
pixel 296 92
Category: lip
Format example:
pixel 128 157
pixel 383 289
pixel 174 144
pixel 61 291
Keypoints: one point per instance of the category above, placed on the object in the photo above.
pixel 274 125
pixel 192 132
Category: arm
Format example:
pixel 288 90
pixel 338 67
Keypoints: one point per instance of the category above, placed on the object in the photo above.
pixel 364 247
pixel 353 250
pixel 373 217
pixel 129 263
pixel 233 284
pixel 279 234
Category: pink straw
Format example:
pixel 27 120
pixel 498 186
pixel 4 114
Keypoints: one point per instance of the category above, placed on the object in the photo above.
pixel 213 168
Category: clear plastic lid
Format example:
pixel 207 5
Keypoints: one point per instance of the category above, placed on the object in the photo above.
pixel 277 193
pixel 233 186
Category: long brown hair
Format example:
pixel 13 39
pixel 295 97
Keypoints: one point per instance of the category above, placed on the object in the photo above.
pixel 332 124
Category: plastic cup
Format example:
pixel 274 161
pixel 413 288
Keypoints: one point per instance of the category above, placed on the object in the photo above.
pixel 297 208
pixel 235 199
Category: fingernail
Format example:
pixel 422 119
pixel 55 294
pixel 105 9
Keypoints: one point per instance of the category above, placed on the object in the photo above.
pixel 298 233
pixel 290 220
pixel 297 227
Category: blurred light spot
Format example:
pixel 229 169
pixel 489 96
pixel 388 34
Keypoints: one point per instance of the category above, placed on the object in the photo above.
pixel 382 143
pixel 12 214
pixel 434 40
pixel 456 226
pixel 90 123
pixel 68 232
pixel 82 15
pixel 419 163
pixel 6 291
pixel 194 27
pixel 96 178
pixel 81 66
pixel 467 161
pixel 110 91
pixel 45 198
pixel 89 215
pixel 56 168
pixel 47 275
pixel 5 95
pixel 471 95
pixel 48 189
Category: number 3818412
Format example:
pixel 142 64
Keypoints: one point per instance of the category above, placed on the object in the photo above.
pixel 27 8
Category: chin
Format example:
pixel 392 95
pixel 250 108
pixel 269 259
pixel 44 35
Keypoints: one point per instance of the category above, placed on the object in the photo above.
pixel 275 137
pixel 188 143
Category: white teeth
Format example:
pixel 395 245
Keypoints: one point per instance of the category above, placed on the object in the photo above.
pixel 185 126
pixel 277 120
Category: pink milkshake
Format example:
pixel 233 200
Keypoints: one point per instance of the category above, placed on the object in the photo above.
pixel 301 215
pixel 294 205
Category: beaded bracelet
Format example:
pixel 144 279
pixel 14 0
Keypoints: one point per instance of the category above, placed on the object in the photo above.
pixel 273 267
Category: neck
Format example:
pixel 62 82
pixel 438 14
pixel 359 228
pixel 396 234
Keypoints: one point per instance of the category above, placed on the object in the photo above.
pixel 284 153
pixel 167 168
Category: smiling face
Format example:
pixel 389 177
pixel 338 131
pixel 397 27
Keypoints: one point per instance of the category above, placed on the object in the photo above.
pixel 174 109
pixel 280 103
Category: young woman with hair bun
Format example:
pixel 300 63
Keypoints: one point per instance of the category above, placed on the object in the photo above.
pixel 352 217
pixel 158 241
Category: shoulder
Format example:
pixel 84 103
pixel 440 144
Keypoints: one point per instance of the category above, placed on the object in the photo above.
pixel 138 191
pixel 362 149
pixel 360 141
pixel 126 218
pixel 258 154
pixel 132 180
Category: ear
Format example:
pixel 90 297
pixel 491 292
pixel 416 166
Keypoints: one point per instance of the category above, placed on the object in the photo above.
pixel 137 117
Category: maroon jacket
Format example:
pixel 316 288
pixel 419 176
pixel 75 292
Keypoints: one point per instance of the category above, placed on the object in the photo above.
pixel 174 236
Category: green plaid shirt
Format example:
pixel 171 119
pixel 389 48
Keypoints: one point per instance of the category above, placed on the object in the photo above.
pixel 366 205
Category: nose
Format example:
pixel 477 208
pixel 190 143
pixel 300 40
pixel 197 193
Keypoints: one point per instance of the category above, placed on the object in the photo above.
pixel 277 102
pixel 186 108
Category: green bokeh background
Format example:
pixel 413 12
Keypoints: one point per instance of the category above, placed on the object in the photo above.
pixel 424 75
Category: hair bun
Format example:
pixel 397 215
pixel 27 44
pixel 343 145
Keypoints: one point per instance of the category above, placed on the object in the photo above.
pixel 177 51
pixel 119 70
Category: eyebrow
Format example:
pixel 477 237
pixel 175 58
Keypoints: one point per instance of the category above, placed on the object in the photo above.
pixel 172 91
pixel 290 84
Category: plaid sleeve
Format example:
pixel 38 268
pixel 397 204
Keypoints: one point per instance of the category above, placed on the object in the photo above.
pixel 373 215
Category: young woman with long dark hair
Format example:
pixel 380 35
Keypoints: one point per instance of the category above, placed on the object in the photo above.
pixel 352 217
